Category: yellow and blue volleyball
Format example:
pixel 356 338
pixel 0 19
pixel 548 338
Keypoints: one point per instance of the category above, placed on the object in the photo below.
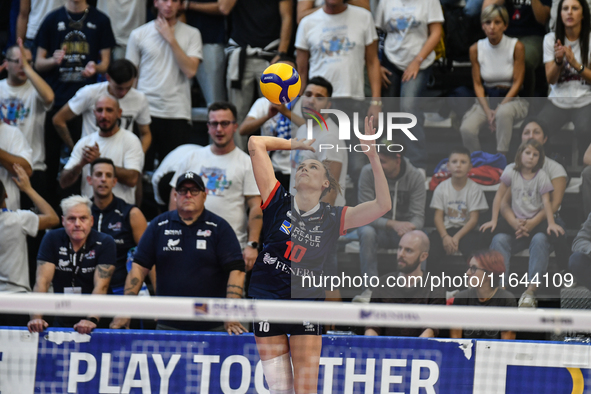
pixel 280 83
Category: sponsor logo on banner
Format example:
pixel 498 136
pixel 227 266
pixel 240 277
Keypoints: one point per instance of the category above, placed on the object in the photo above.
pixel 388 315
pixel 200 308
pixel 235 310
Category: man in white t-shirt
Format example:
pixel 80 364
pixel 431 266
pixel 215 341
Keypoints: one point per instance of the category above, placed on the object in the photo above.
pixel 113 142
pixel 125 15
pixel 30 16
pixel 336 42
pixel 14 149
pixel 24 99
pixel 121 76
pixel 327 145
pixel 14 228
pixel 167 53
pixel 229 180
pixel 166 169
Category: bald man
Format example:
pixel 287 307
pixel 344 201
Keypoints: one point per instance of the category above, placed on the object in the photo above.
pixel 121 146
pixel 404 285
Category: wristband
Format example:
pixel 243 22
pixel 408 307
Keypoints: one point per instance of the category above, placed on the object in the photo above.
pixel 376 102
pixel 580 70
pixel 558 63
pixel 93 320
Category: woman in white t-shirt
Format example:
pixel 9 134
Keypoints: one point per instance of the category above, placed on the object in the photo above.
pixel 498 68
pixel 413 29
pixel 566 55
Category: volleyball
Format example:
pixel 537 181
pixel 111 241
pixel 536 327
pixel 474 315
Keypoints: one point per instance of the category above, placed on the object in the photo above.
pixel 280 83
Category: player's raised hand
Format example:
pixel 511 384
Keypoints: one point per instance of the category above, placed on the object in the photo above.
pixel 370 131
pixel 302 144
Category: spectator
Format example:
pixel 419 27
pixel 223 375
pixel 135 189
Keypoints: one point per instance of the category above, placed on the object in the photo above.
pixel 26 97
pixel 230 185
pixel 586 178
pixel 74 259
pixel 497 73
pixel 408 194
pixel 534 129
pixel 73 46
pixel 336 43
pixel 31 14
pixel 205 15
pixel 167 53
pixel 274 120
pixel 413 30
pixel 348 50
pixel 457 203
pixel 165 171
pixel 261 33
pixel 306 7
pixel 113 216
pixel 580 261
pixel 566 54
pixel 528 21
pixel 121 76
pixel 113 142
pixel 488 267
pixel 14 149
pixel 169 245
pixel 530 193
pixel 14 228
pixel 316 97
pixel 125 16
pixel 413 250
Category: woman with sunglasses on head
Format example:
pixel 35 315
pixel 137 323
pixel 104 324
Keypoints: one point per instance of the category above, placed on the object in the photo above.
pixel 485 269
pixel 300 229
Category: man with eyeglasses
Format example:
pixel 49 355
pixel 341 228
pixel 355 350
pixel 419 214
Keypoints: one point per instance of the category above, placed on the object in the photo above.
pixel 24 99
pixel 408 285
pixel 196 254
pixel 229 181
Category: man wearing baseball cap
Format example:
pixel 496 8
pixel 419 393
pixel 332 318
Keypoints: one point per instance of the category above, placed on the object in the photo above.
pixel 196 254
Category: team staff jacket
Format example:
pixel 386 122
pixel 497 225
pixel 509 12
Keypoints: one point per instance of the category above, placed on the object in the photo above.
pixel 76 269
pixel 114 221
pixel 191 260
pixel 295 245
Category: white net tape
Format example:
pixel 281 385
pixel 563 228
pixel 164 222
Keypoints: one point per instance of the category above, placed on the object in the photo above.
pixel 394 315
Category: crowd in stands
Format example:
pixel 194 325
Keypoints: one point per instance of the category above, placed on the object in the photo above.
pixel 96 110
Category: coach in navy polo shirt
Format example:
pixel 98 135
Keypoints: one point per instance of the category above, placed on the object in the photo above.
pixel 196 254
pixel 77 260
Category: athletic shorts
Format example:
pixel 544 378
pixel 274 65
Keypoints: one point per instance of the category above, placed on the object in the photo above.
pixel 267 329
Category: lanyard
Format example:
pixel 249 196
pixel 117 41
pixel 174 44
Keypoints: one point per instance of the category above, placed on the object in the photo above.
pixel 73 257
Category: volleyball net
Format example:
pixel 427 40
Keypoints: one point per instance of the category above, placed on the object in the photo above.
pixel 145 361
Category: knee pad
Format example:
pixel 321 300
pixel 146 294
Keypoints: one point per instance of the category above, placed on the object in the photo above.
pixel 279 374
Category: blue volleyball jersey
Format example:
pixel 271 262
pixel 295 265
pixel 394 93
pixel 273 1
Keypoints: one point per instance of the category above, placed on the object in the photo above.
pixel 294 245
pixel 114 221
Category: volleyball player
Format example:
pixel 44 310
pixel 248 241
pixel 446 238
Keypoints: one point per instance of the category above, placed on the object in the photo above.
pixel 301 230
